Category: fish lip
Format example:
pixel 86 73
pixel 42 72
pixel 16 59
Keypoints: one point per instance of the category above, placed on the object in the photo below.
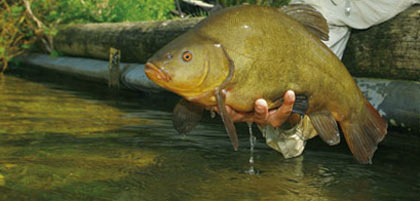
pixel 152 70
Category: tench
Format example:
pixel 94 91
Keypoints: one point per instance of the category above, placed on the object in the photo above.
pixel 240 54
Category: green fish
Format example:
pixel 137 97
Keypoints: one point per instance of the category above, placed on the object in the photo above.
pixel 240 54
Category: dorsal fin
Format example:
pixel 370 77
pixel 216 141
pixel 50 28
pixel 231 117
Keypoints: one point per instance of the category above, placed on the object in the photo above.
pixel 313 21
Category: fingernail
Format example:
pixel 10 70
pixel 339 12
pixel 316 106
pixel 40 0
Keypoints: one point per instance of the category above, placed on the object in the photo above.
pixel 261 103
pixel 291 94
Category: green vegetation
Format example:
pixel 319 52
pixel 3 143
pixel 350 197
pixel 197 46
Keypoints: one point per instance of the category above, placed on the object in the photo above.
pixel 28 22
pixel 83 11
pixel 276 3
pixel 15 33
pixel 25 22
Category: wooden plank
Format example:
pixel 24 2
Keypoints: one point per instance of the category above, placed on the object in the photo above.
pixel 389 50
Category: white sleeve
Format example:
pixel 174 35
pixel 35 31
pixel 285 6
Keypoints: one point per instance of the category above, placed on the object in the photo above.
pixel 356 14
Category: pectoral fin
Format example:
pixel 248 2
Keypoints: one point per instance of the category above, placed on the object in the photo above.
pixel 326 126
pixel 230 127
pixel 220 98
pixel 186 116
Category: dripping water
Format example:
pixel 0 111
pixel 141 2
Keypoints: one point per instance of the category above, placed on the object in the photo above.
pixel 252 140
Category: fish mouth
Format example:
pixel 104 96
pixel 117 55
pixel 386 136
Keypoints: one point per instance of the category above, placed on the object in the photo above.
pixel 153 72
pixel 161 77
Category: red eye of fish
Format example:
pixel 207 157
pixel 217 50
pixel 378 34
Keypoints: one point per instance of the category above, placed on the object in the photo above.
pixel 187 56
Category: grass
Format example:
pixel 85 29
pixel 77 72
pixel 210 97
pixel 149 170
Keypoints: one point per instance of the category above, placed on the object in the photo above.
pixel 275 3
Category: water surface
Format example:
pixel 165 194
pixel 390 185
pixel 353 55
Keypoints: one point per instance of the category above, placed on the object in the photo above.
pixel 64 139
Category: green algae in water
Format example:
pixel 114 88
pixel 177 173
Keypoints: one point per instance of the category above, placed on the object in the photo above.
pixel 51 140
pixel 33 108
pixel 75 143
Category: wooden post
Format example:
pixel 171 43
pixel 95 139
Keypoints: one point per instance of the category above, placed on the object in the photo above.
pixel 114 68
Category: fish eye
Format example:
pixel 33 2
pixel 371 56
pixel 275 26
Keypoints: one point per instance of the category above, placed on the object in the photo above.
pixel 187 56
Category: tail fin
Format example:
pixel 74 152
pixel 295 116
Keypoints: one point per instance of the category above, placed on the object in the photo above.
pixel 364 132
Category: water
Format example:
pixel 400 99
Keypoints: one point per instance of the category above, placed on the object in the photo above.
pixel 252 141
pixel 63 139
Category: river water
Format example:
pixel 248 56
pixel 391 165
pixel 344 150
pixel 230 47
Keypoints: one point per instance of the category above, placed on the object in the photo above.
pixel 66 139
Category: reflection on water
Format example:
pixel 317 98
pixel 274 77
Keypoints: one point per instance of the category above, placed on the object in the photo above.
pixel 65 141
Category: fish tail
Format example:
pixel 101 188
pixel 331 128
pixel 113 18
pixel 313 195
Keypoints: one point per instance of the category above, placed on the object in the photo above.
pixel 363 132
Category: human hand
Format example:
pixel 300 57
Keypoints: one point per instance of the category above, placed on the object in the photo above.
pixel 262 115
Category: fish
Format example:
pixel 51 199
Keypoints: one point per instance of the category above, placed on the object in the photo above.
pixel 240 54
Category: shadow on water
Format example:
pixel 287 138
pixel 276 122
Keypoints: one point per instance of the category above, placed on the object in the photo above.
pixel 65 141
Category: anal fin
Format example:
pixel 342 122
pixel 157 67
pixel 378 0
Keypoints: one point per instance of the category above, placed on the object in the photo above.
pixel 186 116
pixel 326 126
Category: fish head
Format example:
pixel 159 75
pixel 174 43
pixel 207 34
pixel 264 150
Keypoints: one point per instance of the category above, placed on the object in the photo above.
pixel 190 65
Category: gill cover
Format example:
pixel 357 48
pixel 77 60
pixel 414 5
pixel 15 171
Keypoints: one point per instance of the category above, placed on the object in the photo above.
pixel 191 65
pixel 187 114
